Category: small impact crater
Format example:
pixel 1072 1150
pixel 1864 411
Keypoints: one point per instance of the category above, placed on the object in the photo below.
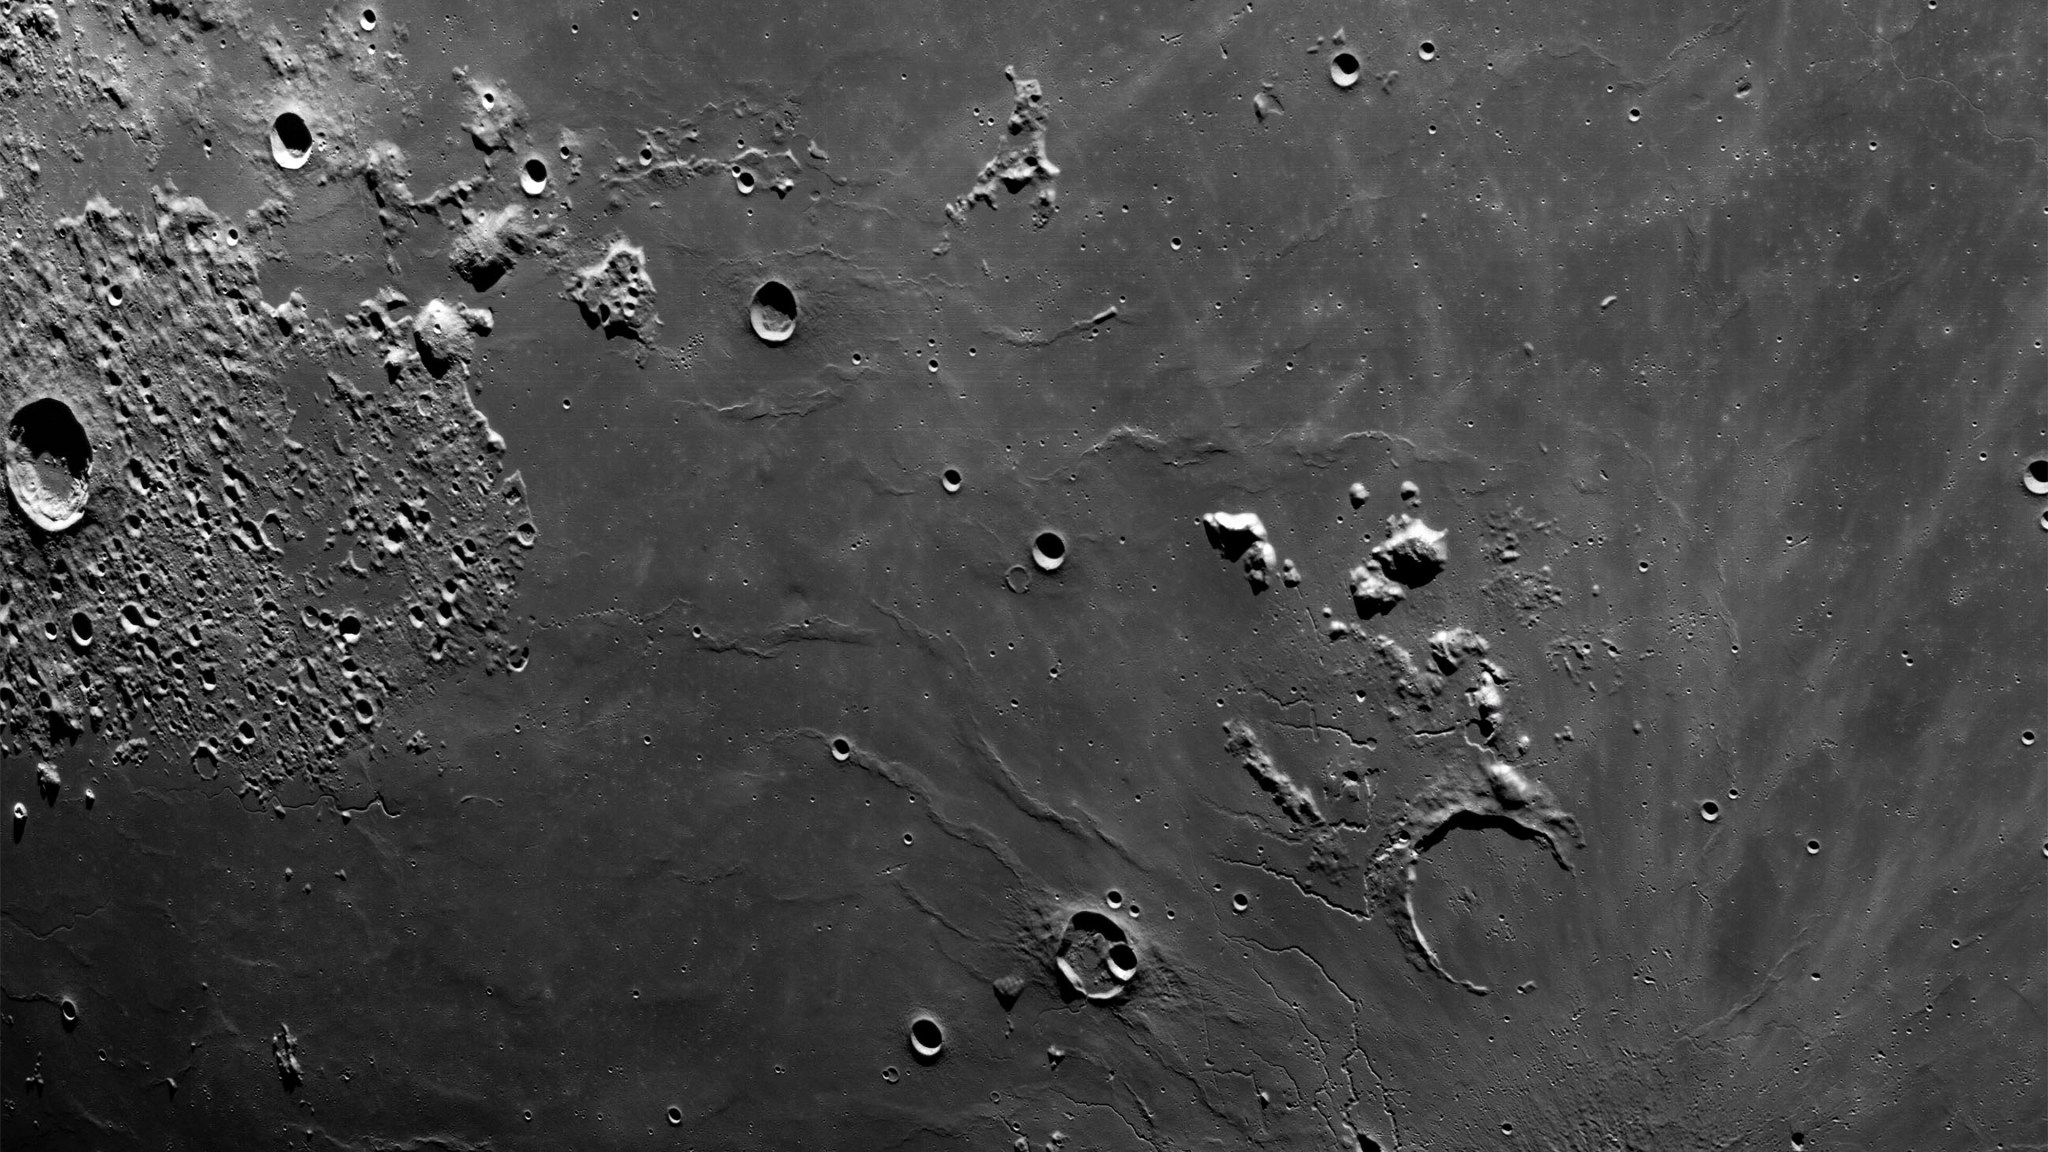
pixel 291 142
pixel 2035 476
pixel 772 312
pixel 533 176
pixel 927 1039
pixel 1049 550
pixel 1345 68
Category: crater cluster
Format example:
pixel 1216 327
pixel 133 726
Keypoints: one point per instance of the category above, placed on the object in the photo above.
pixel 208 560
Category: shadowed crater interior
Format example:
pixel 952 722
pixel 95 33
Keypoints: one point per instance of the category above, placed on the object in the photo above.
pixel 772 312
pixel 1049 550
pixel 290 140
pixel 927 1039
pixel 48 459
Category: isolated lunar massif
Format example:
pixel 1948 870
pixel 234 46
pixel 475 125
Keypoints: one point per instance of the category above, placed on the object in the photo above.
pixel 1178 576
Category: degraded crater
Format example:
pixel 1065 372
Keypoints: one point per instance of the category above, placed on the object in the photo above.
pixel 1095 957
pixel 1495 796
pixel 49 463
pixel 772 312
pixel 291 141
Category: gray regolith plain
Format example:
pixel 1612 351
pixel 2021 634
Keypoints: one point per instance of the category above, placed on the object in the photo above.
pixel 1181 576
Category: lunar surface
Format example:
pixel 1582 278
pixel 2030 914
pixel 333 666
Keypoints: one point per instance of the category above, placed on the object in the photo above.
pixel 1195 575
